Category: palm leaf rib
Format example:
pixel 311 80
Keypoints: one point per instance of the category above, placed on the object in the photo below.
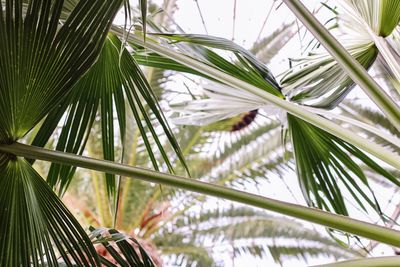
pixel 330 220
pixel 296 110
pixel 39 228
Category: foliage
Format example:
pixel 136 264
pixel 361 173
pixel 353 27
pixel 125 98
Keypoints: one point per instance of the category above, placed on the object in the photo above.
pixel 70 78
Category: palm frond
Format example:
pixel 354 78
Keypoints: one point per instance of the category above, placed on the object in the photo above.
pixel 183 254
pixel 323 163
pixel 235 223
pixel 252 232
pixel 151 59
pixel 256 68
pixel 36 228
pixel 280 253
pixel 27 81
pixel 143 9
pixel 373 116
pixel 385 74
pixel 122 250
pixel 319 81
pixel 382 16
pixel 266 157
pixel 268 47
pixel 40 62
pixel 103 89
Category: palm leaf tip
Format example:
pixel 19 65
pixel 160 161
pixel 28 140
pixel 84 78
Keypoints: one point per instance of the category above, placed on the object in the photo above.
pixel 382 16
pixel 258 73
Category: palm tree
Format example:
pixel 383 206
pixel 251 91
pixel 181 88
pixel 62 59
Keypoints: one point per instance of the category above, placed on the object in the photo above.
pixel 149 214
pixel 66 60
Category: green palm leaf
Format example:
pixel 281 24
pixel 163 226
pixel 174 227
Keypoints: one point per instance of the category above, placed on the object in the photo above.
pixel 40 62
pixel 318 80
pixel 323 163
pixel 35 225
pixel 256 69
pixel 143 9
pixel 123 250
pixel 381 15
pixel 103 89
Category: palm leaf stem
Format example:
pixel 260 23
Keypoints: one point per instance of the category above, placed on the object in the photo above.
pixel 346 224
pixel 296 110
pixel 193 141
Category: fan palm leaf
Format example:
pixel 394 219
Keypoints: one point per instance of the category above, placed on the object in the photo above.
pixel 322 160
pixel 103 89
pixel 40 62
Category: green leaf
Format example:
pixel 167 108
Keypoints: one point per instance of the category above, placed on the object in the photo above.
pixel 35 227
pixel 318 80
pixel 123 249
pixel 256 70
pixel 103 89
pixel 143 9
pixel 150 59
pixel 349 64
pixel 323 162
pixel 381 15
pixel 41 61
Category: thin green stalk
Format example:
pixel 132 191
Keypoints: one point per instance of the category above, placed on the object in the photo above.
pixel 127 185
pixel 349 64
pixel 101 202
pixel 393 261
pixel 192 141
pixel 296 110
pixel 346 224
